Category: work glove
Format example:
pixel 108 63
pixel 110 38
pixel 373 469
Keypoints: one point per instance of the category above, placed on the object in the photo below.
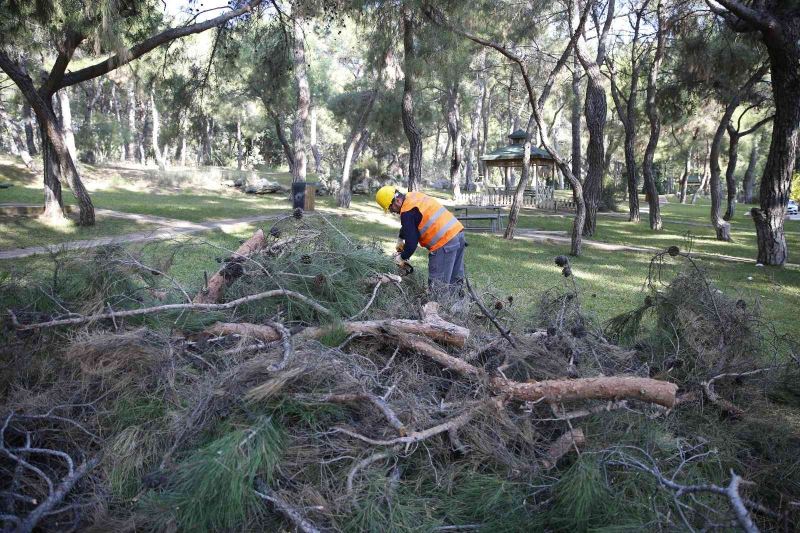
pixel 399 261
pixel 400 246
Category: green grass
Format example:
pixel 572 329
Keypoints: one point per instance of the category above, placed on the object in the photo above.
pixel 25 231
pixel 676 219
pixel 610 282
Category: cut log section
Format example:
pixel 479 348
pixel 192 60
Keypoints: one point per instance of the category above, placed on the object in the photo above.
pixel 213 291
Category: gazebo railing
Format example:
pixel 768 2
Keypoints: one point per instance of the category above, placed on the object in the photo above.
pixel 539 197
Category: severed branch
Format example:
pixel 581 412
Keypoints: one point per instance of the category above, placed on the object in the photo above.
pixel 286 341
pixel 731 491
pixel 562 446
pixel 171 307
pixel 30 522
pixel 557 390
pixel 213 289
pixel 432 326
pixel 414 436
pixel 726 406
pixel 375 457
pixel 376 401
pixel 488 315
pixel 286 509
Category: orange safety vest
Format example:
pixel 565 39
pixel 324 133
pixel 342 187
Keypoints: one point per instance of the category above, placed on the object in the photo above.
pixel 438 225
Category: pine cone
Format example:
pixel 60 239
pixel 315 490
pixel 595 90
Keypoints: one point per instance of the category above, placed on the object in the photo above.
pixel 562 260
pixel 566 271
pixel 298 213
pixel 673 251
pixel 305 259
pixel 275 232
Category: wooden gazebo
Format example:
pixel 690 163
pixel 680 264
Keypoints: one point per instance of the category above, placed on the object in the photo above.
pixel 510 156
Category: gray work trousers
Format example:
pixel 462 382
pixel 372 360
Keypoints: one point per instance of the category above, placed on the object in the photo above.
pixel 446 266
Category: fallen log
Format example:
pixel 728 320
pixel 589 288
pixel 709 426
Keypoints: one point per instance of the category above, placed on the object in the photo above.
pixel 432 326
pixel 557 390
pixel 216 285
pixel 213 290
pixel 602 388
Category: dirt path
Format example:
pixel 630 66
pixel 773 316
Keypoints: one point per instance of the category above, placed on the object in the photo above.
pixel 170 228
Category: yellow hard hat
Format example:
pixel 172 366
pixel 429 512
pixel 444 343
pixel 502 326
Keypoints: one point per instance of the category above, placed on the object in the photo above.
pixel 385 195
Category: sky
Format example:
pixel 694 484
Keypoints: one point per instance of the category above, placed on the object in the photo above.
pixel 180 8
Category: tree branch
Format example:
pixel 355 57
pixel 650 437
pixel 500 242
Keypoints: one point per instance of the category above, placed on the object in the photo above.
pixel 759 20
pixel 117 60
pixel 170 307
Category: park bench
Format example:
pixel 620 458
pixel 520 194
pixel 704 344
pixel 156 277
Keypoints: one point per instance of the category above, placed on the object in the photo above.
pixel 494 217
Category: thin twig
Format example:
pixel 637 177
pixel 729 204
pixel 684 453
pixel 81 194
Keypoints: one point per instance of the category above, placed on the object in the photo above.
pixel 286 341
pixel 375 457
pixel 283 507
pixel 489 315
pixel 171 307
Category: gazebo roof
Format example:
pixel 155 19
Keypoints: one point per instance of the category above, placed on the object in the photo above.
pixel 518 134
pixel 513 153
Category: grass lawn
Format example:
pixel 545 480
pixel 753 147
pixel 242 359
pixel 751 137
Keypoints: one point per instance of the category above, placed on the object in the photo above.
pixel 611 282
pixel 25 232
pixel 134 190
pixel 699 235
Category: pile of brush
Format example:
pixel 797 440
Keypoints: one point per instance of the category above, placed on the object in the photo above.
pixel 307 385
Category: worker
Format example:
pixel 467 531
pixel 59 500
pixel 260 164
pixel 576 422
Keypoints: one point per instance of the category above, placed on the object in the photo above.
pixel 426 222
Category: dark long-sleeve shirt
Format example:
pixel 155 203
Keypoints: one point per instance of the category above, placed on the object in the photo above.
pixel 409 231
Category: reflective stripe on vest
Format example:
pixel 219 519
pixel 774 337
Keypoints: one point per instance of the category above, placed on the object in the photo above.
pixel 438 225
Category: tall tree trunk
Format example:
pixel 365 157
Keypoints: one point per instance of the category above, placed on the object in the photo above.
pixel 595 110
pixel 722 228
pixel 687 166
pixel 345 194
pixel 130 137
pixel 437 142
pixel 454 131
pixel 486 113
pixel 648 172
pixel 303 101
pixel 315 150
pixel 277 121
pixel 519 193
pixel 575 119
pixel 356 134
pixel 66 123
pixel 412 130
pixel 750 174
pixel 239 144
pixel 735 135
pixel 776 179
pixel 730 172
pixel 16 133
pixel 183 148
pixel 60 163
pixel 57 160
pixel 475 128
pixel 156 130
pixel 30 136
pixel 703 185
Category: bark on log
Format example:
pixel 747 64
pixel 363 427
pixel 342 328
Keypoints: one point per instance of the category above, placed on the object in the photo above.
pixel 216 285
pixel 432 326
pixel 558 390
pixel 602 388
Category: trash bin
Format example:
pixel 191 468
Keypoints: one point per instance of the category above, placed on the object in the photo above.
pixel 303 193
